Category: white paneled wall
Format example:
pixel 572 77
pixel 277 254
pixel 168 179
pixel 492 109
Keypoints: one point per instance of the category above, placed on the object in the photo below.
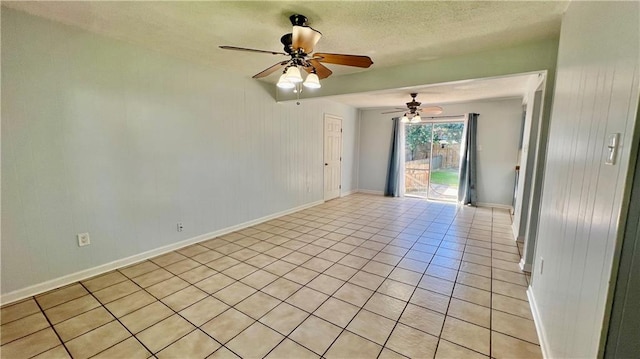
pixel 102 137
pixel 596 95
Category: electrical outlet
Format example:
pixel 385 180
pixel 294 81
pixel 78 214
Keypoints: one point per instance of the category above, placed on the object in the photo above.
pixel 541 264
pixel 83 239
pixel 180 227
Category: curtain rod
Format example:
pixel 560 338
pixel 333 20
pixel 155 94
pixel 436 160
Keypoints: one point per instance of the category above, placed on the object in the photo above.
pixel 450 116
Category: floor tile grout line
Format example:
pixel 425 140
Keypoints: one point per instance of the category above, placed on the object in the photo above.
pixel 26 335
pixel 406 305
pixel 302 286
pixel 331 296
pixel 449 303
pixel 239 280
pixel 491 294
pixel 196 327
pixel 221 272
pixel 24 317
pixel 307 317
pixel 53 329
pixel 115 319
pixel 56 289
pixel 451 297
pixel 365 303
pixel 284 301
pixel 42 311
pixel 144 289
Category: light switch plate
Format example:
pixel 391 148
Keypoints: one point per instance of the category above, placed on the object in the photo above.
pixel 612 148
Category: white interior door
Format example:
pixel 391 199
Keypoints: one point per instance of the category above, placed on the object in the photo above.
pixel 332 156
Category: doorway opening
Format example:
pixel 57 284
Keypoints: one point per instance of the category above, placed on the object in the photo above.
pixel 432 159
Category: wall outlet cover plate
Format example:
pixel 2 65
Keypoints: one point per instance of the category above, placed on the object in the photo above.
pixel 83 239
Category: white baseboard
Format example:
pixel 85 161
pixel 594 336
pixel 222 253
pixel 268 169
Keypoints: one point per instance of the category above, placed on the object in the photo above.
pixel 524 266
pixel 369 191
pixel 344 194
pixel 494 205
pixel 119 263
pixel 544 343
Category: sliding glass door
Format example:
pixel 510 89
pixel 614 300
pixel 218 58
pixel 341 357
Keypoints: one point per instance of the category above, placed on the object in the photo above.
pixel 418 140
pixel 445 161
pixel 432 159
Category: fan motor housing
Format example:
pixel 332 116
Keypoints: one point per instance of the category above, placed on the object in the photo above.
pixel 287 40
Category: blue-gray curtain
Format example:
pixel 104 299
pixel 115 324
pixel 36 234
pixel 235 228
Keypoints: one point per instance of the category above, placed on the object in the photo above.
pixel 467 187
pixel 393 185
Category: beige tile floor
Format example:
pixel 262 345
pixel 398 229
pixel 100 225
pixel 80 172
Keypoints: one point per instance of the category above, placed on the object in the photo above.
pixel 358 277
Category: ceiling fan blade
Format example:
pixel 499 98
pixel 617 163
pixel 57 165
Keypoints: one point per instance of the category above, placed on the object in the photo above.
pixel 384 113
pixel 322 71
pixel 433 110
pixel 271 69
pixel 305 37
pixel 348 60
pixel 252 50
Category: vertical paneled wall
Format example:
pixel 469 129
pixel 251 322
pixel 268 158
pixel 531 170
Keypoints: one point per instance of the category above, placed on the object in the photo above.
pixel 596 95
pixel 102 137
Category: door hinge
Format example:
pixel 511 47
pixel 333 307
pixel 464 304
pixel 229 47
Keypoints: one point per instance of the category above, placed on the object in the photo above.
pixel 340 130
pixel 340 187
pixel 340 158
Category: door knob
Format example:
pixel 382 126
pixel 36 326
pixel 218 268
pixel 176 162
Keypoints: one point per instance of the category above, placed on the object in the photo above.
pixel 326 164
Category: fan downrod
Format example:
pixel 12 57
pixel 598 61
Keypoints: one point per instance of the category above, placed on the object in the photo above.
pixel 298 20
pixel 413 104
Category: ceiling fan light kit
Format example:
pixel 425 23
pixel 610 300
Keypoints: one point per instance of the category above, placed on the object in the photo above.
pixel 292 78
pixel 299 45
pixel 409 118
pixel 312 81
pixel 283 83
pixel 293 75
pixel 413 116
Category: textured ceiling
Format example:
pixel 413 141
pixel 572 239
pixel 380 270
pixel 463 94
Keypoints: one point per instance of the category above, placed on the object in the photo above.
pixel 390 32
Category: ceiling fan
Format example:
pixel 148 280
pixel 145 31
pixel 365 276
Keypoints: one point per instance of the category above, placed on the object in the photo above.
pixel 413 115
pixel 299 45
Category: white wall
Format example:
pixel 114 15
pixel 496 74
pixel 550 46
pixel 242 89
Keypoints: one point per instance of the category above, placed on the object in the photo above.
pixel 103 137
pixel 375 144
pixel 498 136
pixel 596 94
pixel 350 153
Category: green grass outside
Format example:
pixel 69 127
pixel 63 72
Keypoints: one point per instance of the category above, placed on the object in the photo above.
pixel 444 177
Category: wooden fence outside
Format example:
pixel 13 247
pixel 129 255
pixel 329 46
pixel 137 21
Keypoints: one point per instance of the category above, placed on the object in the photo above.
pixel 417 171
pixel 450 156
